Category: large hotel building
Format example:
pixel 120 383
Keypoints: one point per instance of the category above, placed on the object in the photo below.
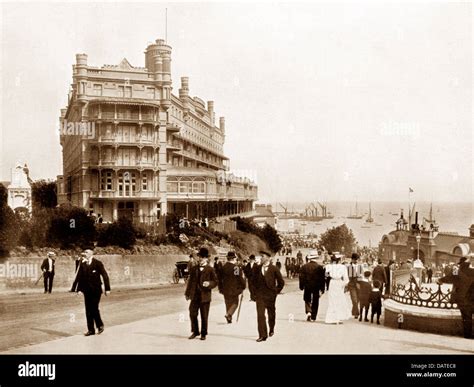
pixel 147 152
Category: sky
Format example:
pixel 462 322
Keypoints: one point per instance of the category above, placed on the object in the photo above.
pixel 323 101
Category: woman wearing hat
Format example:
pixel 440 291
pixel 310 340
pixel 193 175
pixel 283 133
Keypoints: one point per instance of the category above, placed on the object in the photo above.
pixel 338 308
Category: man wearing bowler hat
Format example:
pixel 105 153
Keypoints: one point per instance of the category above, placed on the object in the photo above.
pixel 88 281
pixel 248 269
pixel 312 282
pixel 231 285
pixel 268 283
pixel 202 279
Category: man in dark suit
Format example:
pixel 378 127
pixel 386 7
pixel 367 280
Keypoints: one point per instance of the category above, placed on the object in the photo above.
pixel 217 266
pixel 388 276
pixel 288 266
pixel 231 285
pixel 248 270
pixel 47 267
pixel 278 264
pixel 379 274
pixel 268 282
pixel 202 279
pixel 88 281
pixel 312 282
pixel 463 292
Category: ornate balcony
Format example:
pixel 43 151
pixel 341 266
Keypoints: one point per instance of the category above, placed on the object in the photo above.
pixel 105 194
pixel 95 164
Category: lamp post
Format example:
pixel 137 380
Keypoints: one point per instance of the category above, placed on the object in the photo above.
pixel 417 266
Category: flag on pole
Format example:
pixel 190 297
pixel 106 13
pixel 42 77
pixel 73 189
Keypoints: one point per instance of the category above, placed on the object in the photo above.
pixel 410 190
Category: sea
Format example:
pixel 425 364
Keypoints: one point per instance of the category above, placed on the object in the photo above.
pixel 450 217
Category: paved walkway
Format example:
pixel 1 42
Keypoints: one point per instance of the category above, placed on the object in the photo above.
pixel 167 334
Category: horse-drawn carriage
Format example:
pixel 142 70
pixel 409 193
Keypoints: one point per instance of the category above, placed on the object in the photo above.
pixel 180 271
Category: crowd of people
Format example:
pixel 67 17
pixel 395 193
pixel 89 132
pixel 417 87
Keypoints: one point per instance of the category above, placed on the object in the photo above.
pixel 297 241
pixel 318 273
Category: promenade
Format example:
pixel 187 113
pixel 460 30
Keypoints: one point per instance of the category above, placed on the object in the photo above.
pixel 167 333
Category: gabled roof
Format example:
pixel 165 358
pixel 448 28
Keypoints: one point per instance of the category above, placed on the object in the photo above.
pixel 263 212
pixel 125 64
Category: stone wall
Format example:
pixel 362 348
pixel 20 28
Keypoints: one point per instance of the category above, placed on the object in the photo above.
pixel 22 273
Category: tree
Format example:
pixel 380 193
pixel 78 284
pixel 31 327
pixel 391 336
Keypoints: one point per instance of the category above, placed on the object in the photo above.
pixel 247 225
pixel 337 238
pixel 8 230
pixel 3 195
pixel 36 232
pixel 270 235
pixel 44 194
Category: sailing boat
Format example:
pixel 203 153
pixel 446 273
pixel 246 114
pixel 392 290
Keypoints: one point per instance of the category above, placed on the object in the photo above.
pixel 431 221
pixel 369 217
pixel 356 216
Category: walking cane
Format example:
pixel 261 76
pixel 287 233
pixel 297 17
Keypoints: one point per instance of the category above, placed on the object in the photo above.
pixel 77 271
pixel 240 305
pixel 41 276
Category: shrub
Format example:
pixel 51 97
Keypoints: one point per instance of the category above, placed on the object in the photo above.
pixel 160 240
pixel 267 233
pixel 71 227
pixel 120 233
pixel 140 232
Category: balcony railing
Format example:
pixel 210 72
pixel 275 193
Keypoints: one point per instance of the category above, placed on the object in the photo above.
pixel 109 163
pixel 174 146
pixel 127 115
pixel 200 159
pixel 130 142
pixel 148 117
pixel 104 194
pixel 106 115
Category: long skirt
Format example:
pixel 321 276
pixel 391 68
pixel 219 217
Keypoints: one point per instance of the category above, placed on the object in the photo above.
pixel 338 307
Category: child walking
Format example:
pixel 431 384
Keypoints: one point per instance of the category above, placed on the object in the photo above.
pixel 363 289
pixel 375 300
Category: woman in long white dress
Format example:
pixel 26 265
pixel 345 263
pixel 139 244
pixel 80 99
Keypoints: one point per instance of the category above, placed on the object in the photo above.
pixel 338 308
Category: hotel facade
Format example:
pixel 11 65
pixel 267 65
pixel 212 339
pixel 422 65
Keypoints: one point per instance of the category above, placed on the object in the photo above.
pixel 132 148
